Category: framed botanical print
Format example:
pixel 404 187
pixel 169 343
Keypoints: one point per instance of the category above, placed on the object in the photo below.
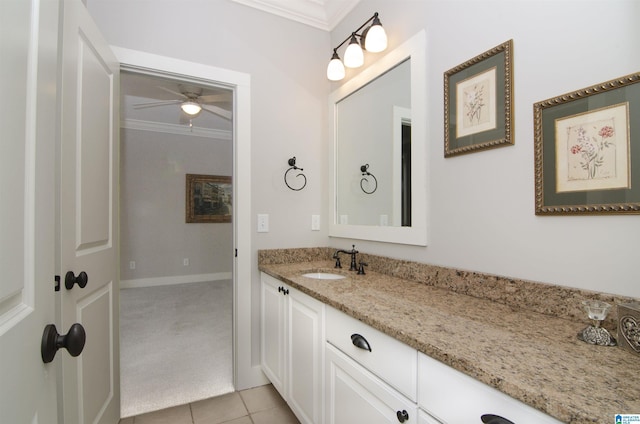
pixel 587 150
pixel 478 102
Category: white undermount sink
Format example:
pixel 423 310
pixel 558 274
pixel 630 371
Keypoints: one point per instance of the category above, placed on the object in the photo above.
pixel 323 276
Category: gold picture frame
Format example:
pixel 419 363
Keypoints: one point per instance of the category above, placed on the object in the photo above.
pixel 478 102
pixel 587 150
pixel 208 198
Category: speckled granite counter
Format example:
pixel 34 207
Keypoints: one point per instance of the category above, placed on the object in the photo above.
pixel 531 356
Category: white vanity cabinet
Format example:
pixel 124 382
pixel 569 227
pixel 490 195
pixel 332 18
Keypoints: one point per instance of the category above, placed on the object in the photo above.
pixel 424 418
pixel 370 376
pixel 453 397
pixel 292 347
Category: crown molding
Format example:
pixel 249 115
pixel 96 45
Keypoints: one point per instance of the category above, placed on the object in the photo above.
pixel 322 14
pixel 136 124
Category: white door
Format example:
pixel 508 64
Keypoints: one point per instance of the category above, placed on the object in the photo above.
pixel 28 66
pixel 89 217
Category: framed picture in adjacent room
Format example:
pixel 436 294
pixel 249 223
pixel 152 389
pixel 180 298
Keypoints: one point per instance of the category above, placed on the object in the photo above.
pixel 208 198
pixel 587 150
pixel 478 102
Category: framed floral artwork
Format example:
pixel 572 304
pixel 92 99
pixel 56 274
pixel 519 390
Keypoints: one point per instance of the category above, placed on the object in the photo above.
pixel 208 198
pixel 587 150
pixel 478 102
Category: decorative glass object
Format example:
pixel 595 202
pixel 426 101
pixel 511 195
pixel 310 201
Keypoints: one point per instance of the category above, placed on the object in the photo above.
pixel 595 334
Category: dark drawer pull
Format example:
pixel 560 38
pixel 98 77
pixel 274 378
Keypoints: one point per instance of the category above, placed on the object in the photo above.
pixel 402 416
pixel 494 419
pixel 361 342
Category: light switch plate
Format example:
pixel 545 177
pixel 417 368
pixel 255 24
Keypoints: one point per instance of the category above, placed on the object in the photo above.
pixel 315 222
pixel 263 223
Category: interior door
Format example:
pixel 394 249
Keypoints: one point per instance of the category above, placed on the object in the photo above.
pixel 89 217
pixel 28 71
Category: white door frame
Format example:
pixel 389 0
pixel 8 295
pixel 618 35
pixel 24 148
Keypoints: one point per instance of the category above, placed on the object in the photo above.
pixel 245 373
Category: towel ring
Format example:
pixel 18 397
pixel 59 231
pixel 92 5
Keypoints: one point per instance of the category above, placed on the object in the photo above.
pixel 366 173
pixel 292 164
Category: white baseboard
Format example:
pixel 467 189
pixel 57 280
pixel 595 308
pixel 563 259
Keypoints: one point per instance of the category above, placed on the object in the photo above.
pixel 178 279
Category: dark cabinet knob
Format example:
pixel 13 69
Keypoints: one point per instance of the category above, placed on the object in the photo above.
pixel 283 290
pixel 361 342
pixel 70 279
pixel 402 416
pixel 494 419
pixel 73 341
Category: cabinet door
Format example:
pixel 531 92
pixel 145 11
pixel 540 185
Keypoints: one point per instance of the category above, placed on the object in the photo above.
pixel 424 418
pixel 354 395
pixel 305 347
pixel 272 334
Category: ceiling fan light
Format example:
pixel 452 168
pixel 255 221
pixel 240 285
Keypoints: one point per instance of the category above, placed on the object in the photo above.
pixel 191 108
pixel 376 37
pixel 353 56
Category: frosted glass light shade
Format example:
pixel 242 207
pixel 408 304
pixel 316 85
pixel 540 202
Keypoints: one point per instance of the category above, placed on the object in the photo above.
pixel 376 39
pixel 335 70
pixel 191 108
pixel 353 56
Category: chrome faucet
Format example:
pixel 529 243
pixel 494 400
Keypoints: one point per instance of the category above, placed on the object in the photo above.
pixel 353 252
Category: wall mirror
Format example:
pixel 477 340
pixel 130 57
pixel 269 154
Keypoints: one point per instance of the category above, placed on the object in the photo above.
pixel 378 156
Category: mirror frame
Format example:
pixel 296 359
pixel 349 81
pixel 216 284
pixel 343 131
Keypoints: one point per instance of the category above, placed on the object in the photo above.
pixel 414 48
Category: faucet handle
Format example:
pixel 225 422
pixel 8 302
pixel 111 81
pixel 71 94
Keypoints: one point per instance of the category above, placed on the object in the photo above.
pixel 337 258
pixel 361 268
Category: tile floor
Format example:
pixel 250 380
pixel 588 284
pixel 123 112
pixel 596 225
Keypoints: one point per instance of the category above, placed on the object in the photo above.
pixel 260 405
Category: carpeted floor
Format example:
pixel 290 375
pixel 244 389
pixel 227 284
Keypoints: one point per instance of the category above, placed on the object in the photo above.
pixel 175 345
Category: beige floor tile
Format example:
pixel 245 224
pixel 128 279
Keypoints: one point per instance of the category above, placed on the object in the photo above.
pixel 261 398
pixel 176 415
pixel 242 420
pixel 277 415
pixel 219 409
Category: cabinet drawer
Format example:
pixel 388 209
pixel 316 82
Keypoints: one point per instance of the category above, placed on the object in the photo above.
pixel 454 397
pixel 355 395
pixel 389 359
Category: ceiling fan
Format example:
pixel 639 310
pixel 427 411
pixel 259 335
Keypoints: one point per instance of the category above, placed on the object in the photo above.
pixel 192 102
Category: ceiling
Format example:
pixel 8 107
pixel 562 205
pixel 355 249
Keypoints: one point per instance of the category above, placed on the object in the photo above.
pixel 323 14
pixel 138 89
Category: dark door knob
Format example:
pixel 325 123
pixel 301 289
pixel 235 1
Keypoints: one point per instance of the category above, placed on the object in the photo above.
pixel 73 341
pixel 70 279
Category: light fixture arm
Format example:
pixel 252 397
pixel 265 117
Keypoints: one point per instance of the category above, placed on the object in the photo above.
pixel 355 33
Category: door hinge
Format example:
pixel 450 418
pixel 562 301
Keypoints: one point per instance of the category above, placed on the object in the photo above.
pixel 57 286
pixel 236 253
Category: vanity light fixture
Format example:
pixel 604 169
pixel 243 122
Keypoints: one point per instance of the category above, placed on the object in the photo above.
pixel 191 108
pixel 374 39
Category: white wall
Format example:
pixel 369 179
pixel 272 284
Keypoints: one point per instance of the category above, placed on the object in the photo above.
pixel 287 65
pixel 481 212
pixel 154 233
pixel 481 205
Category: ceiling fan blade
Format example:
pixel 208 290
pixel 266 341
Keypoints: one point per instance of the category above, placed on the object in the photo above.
pixel 217 111
pixel 172 92
pixel 214 98
pixel 154 104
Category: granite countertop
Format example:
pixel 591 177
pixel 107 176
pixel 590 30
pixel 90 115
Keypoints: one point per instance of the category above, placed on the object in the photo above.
pixel 533 357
